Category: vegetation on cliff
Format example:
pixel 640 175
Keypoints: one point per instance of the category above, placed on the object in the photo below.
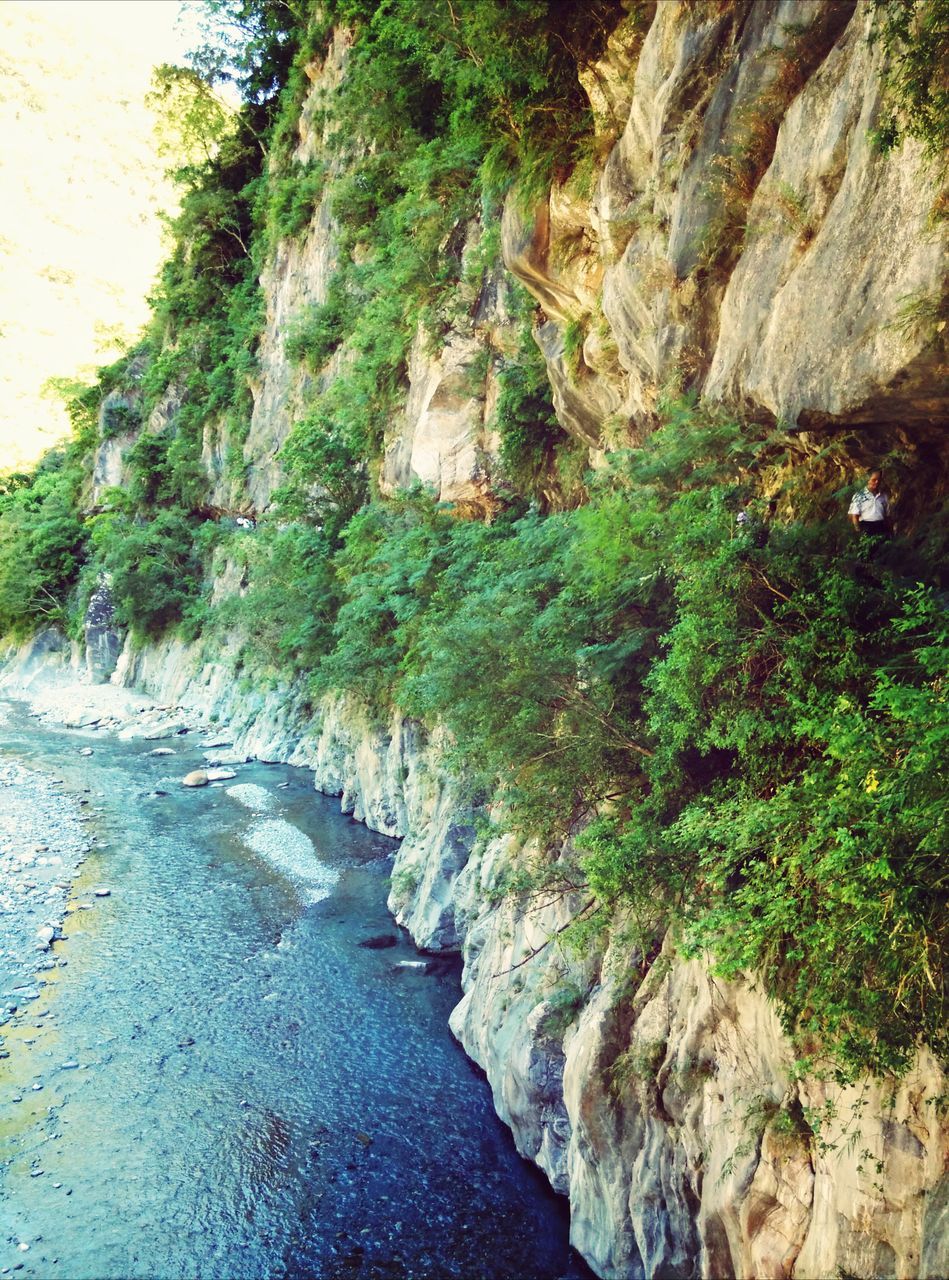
pixel 744 725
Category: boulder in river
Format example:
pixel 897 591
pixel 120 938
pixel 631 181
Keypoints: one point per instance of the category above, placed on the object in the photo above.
pixel 225 757
pixel 379 942
pixel 218 775
pixel 196 778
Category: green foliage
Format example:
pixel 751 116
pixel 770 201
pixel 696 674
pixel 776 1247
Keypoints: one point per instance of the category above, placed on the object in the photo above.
pixel 647 656
pixel 573 339
pixel 291 198
pixel 315 335
pixel 639 1064
pixel 286 613
pixel 154 567
pixel 784 811
pixel 250 44
pixel 119 419
pixel 914 36
pixel 42 544
pixel 531 434
pixel 563 1006
pixel 191 117
pixel 437 111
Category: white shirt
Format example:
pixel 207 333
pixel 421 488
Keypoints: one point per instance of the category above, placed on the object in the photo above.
pixel 870 507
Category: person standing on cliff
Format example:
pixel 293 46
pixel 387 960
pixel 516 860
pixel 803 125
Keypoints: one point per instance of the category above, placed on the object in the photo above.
pixel 869 510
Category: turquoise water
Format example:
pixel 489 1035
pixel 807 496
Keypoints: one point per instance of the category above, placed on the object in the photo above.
pixel 231 1086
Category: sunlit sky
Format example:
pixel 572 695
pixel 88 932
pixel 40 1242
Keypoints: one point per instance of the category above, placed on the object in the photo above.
pixel 80 193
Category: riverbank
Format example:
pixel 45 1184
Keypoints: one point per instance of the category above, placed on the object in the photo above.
pixel 44 841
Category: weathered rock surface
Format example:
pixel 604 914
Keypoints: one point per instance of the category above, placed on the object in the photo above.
pixel 103 639
pixel 744 238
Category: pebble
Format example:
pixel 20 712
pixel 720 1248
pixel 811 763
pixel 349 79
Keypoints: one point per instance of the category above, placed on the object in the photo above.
pixel 41 847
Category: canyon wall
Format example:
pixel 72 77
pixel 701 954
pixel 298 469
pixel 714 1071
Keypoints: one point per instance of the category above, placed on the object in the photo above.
pixel 737 235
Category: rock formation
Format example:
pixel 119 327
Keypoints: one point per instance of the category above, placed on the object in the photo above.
pixel 739 236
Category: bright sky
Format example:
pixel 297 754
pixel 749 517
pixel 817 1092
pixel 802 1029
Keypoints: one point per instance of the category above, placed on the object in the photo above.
pixel 80 195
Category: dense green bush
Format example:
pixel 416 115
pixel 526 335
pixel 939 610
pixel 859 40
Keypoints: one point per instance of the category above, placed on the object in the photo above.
pixel 914 36
pixel 533 442
pixel 756 712
pixel 120 419
pixel 42 546
pixel 154 567
pixel 438 113
pixel 282 622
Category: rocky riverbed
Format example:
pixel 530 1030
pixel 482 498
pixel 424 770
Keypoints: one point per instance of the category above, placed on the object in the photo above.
pixel 243 1068
pixel 44 840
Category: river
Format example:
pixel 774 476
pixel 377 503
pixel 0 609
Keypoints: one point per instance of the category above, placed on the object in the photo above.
pixel 223 1080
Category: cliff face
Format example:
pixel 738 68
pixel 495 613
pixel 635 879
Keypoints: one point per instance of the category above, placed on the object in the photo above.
pixel 739 235
pixel 742 234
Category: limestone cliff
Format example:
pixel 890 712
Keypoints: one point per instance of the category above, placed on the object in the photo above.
pixel 739 234
pixel 742 236
pixel 736 234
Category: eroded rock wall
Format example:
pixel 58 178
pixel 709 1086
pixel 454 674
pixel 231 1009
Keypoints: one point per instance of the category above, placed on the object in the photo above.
pixel 738 235
pixel 743 237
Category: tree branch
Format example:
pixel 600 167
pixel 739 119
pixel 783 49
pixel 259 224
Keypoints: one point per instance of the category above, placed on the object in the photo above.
pixel 544 945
